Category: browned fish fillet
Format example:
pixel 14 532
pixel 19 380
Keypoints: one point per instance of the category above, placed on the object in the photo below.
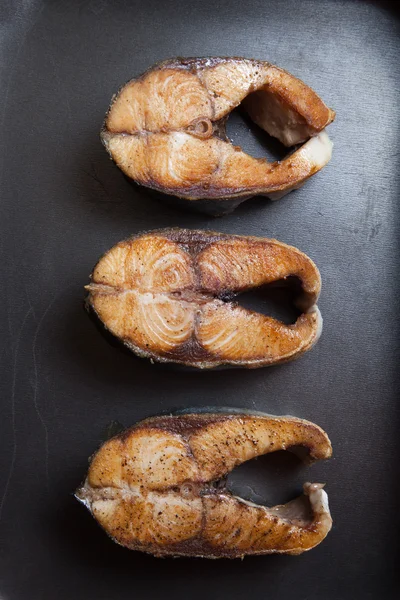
pixel 164 294
pixel 166 130
pixel 157 486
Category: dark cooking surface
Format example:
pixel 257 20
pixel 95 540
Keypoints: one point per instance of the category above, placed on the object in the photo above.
pixel 63 203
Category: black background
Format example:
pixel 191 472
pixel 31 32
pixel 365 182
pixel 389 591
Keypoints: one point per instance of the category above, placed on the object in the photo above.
pixel 63 203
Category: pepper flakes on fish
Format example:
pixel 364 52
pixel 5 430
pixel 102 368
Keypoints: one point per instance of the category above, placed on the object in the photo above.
pixel 166 130
pixel 159 486
pixel 167 295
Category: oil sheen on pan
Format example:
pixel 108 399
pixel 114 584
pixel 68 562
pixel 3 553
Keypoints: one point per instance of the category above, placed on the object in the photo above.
pixel 168 296
pixel 166 130
pixel 160 486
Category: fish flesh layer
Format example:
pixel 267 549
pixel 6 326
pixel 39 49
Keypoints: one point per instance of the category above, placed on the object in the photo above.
pixel 166 130
pixel 159 486
pixel 167 295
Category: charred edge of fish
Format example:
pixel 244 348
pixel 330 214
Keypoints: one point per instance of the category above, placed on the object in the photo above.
pixel 228 198
pixel 170 362
pixel 195 241
pixel 202 360
pixel 185 422
pixel 224 205
pixel 219 200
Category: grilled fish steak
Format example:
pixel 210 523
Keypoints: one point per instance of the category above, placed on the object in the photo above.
pixel 167 295
pixel 166 130
pixel 159 486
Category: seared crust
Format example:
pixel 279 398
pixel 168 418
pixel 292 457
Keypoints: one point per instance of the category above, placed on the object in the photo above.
pixel 154 487
pixel 166 129
pixel 167 295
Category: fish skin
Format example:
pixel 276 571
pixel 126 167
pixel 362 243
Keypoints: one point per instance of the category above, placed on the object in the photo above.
pixel 159 486
pixel 166 130
pixel 167 295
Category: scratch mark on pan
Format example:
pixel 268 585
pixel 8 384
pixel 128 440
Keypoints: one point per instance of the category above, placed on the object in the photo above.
pixel 35 390
pixel 29 300
pixel 14 381
pixel 93 175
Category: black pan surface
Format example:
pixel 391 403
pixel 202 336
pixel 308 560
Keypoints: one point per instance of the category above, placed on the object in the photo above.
pixel 63 203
